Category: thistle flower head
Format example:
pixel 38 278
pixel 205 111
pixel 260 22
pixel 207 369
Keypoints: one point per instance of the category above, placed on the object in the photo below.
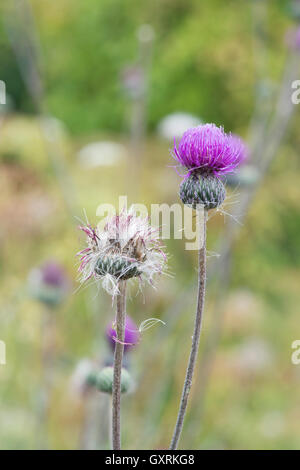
pixel 131 337
pixel 53 274
pixel 207 153
pixel 209 150
pixel 126 248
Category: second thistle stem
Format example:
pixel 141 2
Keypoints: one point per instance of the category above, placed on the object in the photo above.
pixel 195 341
pixel 118 359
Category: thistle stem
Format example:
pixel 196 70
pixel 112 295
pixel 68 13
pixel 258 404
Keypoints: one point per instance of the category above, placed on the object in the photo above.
pixel 118 359
pixel 195 340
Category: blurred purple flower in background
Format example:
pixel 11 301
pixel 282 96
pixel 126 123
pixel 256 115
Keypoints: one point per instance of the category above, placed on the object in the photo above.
pixel 133 81
pixel 49 283
pixel 53 274
pixel 293 39
pixel 132 334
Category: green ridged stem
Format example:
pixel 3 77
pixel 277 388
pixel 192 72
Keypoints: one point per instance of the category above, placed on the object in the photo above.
pixel 117 367
pixel 195 339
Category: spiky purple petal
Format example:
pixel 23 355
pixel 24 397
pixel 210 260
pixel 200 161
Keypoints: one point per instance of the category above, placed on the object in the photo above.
pixel 209 148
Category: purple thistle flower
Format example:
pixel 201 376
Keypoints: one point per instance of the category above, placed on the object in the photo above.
pixel 53 274
pixel 131 338
pixel 209 149
pixel 49 283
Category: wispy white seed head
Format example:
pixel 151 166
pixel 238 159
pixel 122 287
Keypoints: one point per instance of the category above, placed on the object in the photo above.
pixel 127 247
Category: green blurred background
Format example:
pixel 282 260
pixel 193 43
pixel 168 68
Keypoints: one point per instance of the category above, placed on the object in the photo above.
pixel 210 59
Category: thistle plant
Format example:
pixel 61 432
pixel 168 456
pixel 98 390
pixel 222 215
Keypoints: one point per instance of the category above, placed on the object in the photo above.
pixel 207 153
pixel 126 248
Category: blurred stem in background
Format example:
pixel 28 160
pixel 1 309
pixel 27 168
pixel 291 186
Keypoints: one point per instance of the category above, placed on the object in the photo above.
pixel 136 85
pixel 96 427
pixel 21 32
pixel 196 337
pixel 118 359
pixel 48 353
pixel 49 285
pixel 263 90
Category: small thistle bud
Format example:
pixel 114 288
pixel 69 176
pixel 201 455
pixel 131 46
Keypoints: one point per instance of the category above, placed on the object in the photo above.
pixel 104 381
pixel 209 191
pixel 207 153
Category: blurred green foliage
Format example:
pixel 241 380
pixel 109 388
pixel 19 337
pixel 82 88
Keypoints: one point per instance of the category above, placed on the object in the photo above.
pixel 202 59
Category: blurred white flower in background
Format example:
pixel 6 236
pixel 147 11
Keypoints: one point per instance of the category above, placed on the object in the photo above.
pixel 103 153
pixel 80 377
pixel 272 424
pixel 243 312
pixel 253 357
pixel 54 129
pixel 175 124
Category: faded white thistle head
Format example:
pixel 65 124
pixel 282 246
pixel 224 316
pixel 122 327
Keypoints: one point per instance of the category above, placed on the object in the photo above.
pixel 127 247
